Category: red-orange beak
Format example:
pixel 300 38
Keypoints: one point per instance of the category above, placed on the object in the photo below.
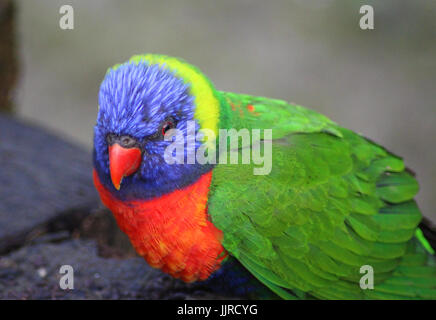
pixel 122 163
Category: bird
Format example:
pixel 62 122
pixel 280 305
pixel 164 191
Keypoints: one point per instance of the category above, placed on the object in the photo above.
pixel 333 215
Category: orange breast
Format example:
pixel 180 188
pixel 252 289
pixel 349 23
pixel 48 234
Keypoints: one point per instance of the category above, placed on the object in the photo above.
pixel 172 232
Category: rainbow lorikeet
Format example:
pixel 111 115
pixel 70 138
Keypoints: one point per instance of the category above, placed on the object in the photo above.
pixel 331 203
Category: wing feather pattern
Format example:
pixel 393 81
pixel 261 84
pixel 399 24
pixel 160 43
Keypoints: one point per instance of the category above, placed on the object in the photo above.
pixel 333 202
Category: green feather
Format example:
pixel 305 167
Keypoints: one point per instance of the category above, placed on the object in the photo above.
pixel 333 202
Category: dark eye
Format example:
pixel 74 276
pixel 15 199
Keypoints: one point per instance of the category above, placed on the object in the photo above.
pixel 164 127
pixel 167 125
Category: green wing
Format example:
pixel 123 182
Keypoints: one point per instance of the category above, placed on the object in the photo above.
pixel 332 203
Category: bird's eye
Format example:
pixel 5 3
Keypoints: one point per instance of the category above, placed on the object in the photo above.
pixel 167 125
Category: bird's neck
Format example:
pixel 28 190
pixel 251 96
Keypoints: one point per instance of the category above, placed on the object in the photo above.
pixel 172 232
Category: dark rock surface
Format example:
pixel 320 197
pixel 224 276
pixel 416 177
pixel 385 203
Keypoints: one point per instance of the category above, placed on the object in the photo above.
pixel 41 177
pixel 50 215
pixel 33 273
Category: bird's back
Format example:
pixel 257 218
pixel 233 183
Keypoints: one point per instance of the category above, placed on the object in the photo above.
pixel 334 204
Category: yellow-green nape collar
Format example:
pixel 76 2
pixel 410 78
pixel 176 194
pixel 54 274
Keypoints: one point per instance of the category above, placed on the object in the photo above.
pixel 205 100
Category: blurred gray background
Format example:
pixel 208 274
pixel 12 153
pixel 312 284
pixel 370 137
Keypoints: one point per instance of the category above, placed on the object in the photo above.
pixel 380 82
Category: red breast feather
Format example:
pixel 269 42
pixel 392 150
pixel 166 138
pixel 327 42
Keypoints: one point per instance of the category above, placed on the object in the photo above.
pixel 172 232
